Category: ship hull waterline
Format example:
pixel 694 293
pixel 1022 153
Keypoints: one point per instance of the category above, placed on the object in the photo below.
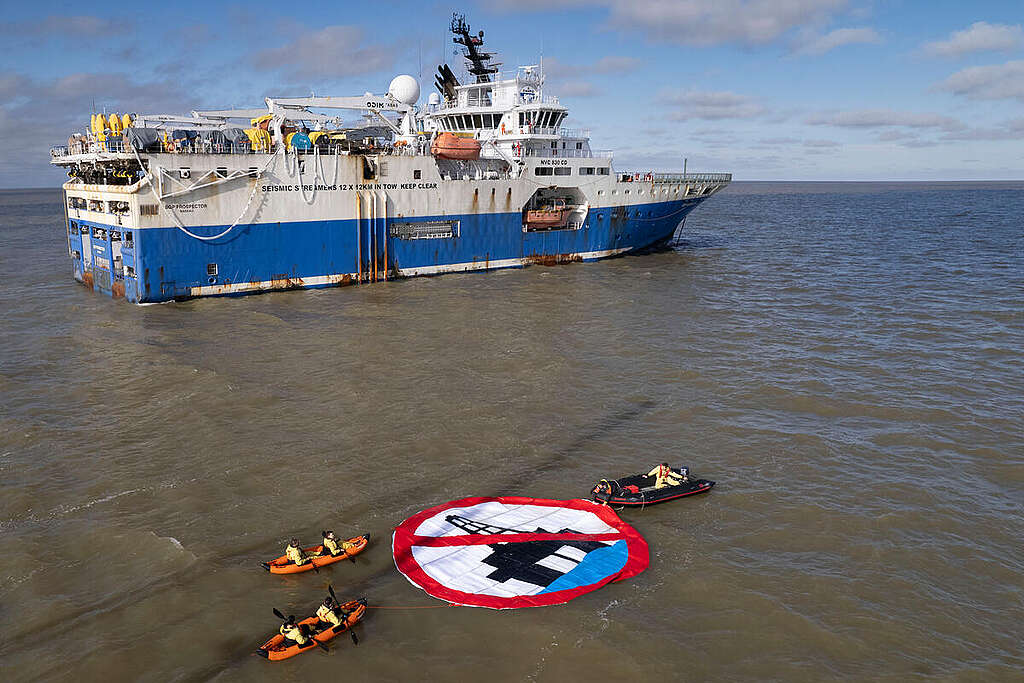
pixel 166 264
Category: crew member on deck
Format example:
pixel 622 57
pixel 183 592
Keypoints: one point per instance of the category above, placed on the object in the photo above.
pixel 665 476
pixel 293 633
pixel 329 614
pixel 333 546
pixel 296 554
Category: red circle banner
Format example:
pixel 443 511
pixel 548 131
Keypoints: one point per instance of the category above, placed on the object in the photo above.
pixel 510 552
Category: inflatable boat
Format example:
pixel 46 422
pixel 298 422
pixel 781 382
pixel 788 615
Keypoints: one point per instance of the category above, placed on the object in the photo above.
pixel 639 490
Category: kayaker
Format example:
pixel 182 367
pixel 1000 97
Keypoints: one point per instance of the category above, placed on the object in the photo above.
pixel 665 476
pixel 293 633
pixel 329 614
pixel 296 554
pixel 333 546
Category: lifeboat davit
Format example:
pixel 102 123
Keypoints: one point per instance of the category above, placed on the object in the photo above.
pixel 448 146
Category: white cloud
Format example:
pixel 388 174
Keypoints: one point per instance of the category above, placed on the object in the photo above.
pixel 712 106
pixel 700 22
pixel 779 141
pixel 1007 130
pixel 995 82
pixel 884 118
pixel 568 80
pixel 76 26
pixel 978 37
pixel 577 89
pixel 837 38
pixel 895 135
pixel 556 68
pixel 52 109
pixel 331 52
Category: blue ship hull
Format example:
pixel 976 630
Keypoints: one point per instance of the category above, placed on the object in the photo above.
pixel 164 264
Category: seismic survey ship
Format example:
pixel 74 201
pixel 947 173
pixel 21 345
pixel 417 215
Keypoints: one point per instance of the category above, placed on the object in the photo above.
pixel 483 176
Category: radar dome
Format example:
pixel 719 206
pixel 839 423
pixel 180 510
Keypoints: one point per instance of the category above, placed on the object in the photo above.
pixel 434 99
pixel 405 89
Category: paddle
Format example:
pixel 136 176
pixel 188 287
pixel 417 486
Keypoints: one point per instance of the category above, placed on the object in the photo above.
pixel 351 632
pixel 344 552
pixel 277 613
pixel 312 561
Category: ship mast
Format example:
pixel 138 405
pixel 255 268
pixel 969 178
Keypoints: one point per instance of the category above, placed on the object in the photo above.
pixel 478 60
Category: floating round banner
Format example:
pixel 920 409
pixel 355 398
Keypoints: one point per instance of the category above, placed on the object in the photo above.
pixel 512 552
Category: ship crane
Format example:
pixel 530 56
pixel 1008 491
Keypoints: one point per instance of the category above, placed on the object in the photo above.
pixel 401 98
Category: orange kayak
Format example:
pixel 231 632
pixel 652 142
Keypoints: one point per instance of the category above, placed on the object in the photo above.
pixel 283 565
pixel 274 650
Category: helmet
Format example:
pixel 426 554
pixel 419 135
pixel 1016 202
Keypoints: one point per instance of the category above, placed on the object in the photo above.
pixel 294 542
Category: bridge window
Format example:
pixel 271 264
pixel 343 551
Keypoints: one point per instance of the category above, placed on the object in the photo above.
pixel 563 170
pixel 602 170
pixel 586 170
pixel 478 121
pixel 579 145
pixel 542 170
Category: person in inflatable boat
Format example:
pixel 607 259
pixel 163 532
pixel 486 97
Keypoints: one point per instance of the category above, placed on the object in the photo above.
pixel 333 546
pixel 294 634
pixel 330 614
pixel 666 477
pixel 296 554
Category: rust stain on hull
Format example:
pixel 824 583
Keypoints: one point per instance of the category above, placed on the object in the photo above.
pixel 553 259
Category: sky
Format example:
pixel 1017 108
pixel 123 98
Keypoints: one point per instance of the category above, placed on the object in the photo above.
pixel 764 89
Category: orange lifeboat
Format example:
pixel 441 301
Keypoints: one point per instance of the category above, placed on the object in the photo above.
pixel 448 146
pixel 552 216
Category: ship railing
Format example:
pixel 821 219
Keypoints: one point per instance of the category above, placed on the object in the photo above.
pixel 574 132
pixel 550 153
pixel 652 177
pixel 59 151
pixel 692 177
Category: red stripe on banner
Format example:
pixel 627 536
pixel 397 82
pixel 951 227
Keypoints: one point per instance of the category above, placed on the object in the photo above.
pixel 404 538
pixel 487 539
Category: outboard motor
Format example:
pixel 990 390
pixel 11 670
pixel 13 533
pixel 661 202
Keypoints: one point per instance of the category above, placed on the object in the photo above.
pixel 605 490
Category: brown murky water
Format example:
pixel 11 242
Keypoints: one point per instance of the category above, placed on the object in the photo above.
pixel 845 360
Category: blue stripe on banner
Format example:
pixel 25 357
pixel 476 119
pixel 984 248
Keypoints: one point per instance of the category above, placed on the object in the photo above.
pixel 597 565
